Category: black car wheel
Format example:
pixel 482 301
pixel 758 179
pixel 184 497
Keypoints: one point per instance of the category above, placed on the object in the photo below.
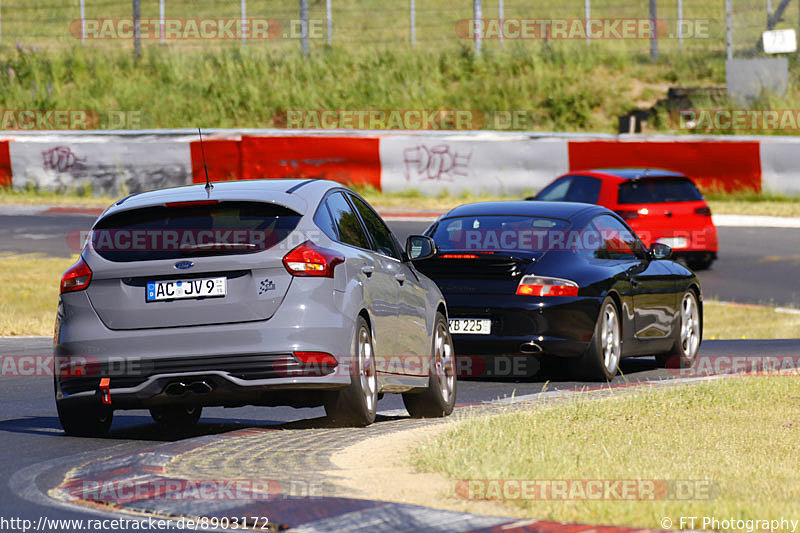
pixel 440 397
pixel 600 362
pixel 85 422
pixel 356 404
pixel 176 416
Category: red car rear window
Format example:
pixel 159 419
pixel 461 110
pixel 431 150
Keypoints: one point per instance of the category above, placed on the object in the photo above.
pixel 657 191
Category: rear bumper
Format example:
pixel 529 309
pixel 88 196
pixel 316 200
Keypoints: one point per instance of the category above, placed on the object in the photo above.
pixel 246 363
pixel 558 326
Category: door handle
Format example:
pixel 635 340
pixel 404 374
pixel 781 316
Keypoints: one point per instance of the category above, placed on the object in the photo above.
pixel 634 282
pixel 367 270
pixel 400 277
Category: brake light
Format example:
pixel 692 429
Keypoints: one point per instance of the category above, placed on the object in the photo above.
pixel 627 214
pixel 76 278
pixel 704 211
pixel 545 286
pixel 193 203
pixel 458 256
pixel 310 260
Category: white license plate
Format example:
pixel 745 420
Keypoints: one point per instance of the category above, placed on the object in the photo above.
pixel 471 326
pixel 185 288
pixel 673 242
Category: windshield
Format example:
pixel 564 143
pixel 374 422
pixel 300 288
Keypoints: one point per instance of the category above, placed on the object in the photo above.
pixel 661 190
pixel 497 232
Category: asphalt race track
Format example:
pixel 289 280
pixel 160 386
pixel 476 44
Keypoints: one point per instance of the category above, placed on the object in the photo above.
pixel 756 265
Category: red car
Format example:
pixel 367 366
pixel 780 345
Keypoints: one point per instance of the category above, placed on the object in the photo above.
pixel 659 205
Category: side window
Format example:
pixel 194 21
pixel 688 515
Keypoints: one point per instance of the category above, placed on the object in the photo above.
pixel 347 224
pixel 584 189
pixel 557 191
pixel 322 218
pixel 614 240
pixel 381 235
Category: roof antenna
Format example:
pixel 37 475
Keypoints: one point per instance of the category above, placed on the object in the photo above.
pixel 203 152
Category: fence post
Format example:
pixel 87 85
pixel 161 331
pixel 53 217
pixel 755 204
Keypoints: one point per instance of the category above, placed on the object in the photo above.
pixel 587 7
pixel 244 21
pixel 729 28
pixel 329 19
pixel 161 15
pixel 304 26
pixel 653 31
pixel 478 24
pixel 680 24
pixel 83 23
pixel 500 16
pixel 137 31
pixel 413 19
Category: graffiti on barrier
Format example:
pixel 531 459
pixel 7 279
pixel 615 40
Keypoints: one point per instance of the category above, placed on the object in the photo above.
pixel 437 163
pixel 60 159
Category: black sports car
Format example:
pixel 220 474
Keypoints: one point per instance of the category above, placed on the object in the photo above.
pixel 561 279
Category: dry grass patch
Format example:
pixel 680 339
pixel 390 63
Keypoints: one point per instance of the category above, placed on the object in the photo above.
pixel 738 436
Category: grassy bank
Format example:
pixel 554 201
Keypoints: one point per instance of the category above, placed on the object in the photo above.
pixel 731 445
pixel 551 88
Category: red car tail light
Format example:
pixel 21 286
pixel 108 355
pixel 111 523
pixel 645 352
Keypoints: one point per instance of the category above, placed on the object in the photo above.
pixel 76 278
pixel 704 211
pixel 627 214
pixel 310 260
pixel 545 286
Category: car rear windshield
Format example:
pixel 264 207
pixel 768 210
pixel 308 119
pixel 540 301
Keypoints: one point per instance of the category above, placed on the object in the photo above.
pixel 496 232
pixel 191 230
pixel 658 190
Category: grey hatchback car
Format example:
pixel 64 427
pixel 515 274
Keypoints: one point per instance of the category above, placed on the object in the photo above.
pixel 258 292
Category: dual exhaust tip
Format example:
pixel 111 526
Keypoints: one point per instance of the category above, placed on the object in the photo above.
pixel 179 388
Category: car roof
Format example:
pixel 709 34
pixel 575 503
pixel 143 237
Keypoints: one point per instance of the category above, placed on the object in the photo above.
pixel 296 194
pixel 565 210
pixel 633 173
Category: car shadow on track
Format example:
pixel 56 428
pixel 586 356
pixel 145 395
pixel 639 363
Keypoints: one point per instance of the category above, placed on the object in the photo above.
pixel 142 428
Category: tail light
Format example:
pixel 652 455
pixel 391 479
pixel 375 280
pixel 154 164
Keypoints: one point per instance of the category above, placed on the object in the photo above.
pixel 310 260
pixel 704 211
pixel 545 286
pixel 627 214
pixel 76 278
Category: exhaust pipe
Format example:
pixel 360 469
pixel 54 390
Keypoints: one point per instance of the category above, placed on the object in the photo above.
pixel 530 347
pixel 200 387
pixel 175 389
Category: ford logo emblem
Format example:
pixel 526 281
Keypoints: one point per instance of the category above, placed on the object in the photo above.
pixel 183 265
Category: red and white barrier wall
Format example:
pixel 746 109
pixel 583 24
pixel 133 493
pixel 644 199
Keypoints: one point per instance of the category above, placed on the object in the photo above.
pixel 430 162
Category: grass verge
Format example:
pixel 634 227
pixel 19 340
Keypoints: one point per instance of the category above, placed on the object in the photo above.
pixel 728 435
pixel 29 293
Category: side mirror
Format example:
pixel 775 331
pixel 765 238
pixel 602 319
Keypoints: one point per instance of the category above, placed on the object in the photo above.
pixel 660 251
pixel 420 247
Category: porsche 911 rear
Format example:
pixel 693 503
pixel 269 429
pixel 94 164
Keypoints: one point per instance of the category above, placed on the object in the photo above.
pixel 199 302
pixel 498 306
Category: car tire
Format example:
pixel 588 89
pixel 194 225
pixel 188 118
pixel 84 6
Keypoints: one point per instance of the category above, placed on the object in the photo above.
pixel 176 416
pixel 600 361
pixel 687 342
pixel 356 404
pixel 85 422
pixel 439 398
